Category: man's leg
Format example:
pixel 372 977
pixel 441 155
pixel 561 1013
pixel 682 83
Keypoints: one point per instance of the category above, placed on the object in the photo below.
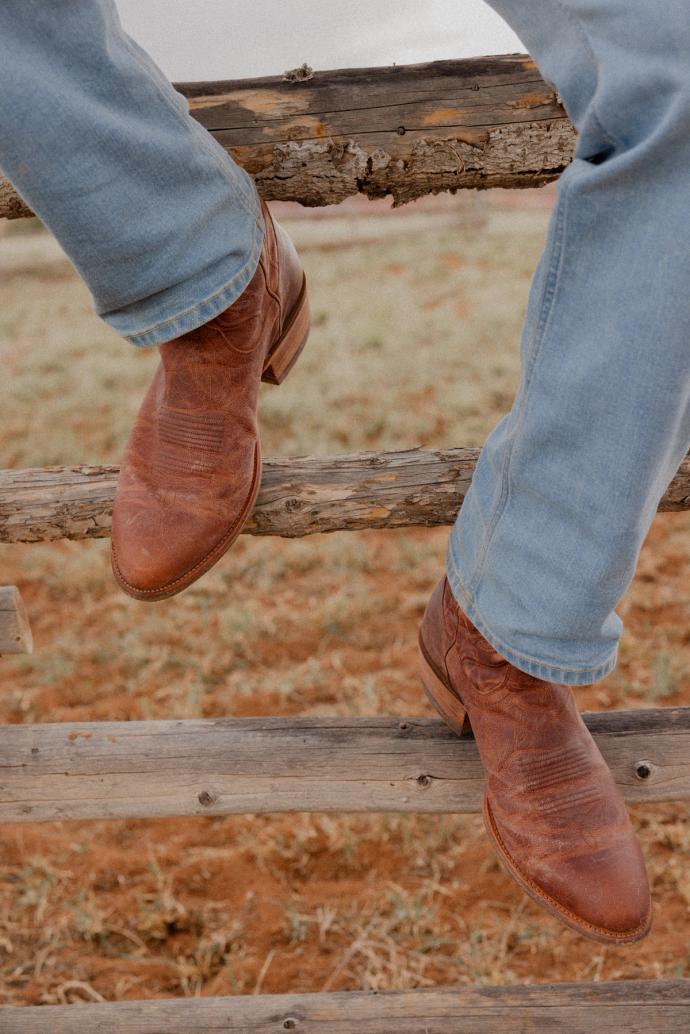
pixel 567 484
pixel 162 225
pixel 178 250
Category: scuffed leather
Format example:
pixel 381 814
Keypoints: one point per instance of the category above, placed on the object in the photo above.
pixel 191 465
pixel 551 803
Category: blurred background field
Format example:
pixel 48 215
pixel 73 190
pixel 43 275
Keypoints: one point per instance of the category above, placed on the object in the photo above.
pixel 417 316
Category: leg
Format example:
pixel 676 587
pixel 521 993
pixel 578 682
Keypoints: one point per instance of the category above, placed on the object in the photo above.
pixel 178 250
pixel 568 483
pixel 162 225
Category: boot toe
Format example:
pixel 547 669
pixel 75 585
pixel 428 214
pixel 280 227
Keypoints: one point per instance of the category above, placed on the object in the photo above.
pixel 609 892
pixel 153 557
pixel 603 893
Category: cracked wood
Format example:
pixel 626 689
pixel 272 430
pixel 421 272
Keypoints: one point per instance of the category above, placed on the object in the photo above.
pixel 300 496
pixel 652 1006
pixel 404 130
pixel 230 766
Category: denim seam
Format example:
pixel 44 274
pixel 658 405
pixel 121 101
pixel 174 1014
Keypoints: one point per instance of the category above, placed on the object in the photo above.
pixel 577 22
pixel 192 127
pixel 470 604
pixel 251 264
pixel 225 167
pixel 548 296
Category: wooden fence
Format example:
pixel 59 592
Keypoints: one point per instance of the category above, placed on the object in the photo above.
pixel 317 138
pixel 408 130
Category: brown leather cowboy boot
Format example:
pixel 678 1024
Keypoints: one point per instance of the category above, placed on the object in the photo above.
pixel 551 806
pixel 192 465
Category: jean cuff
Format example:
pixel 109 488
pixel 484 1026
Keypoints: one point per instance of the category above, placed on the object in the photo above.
pixel 206 307
pixel 536 666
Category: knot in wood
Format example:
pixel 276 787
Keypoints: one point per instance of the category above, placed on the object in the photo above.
pixel 299 75
pixel 206 799
pixel 424 781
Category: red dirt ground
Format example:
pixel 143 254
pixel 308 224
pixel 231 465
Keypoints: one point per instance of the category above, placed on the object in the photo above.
pixel 302 903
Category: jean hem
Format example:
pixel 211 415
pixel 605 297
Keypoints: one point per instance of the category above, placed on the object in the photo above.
pixel 202 311
pixel 535 666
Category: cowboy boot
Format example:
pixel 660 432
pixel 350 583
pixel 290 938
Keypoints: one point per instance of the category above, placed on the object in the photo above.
pixel 551 807
pixel 191 469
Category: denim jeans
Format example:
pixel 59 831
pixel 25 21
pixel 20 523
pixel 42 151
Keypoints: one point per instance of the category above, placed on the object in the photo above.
pixel 568 482
pixel 166 231
pixel 162 225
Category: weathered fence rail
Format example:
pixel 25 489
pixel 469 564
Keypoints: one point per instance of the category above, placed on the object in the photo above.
pixel 224 766
pixel 317 139
pixel 630 1006
pixel 405 130
pixel 298 496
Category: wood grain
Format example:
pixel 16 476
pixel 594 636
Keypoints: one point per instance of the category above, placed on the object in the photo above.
pixel 15 630
pixel 404 130
pixel 632 1006
pixel 233 766
pixel 300 496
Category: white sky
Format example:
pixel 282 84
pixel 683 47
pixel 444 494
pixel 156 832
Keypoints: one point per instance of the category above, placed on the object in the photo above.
pixel 232 39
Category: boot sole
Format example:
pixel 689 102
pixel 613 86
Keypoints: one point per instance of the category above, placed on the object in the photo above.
pixel 279 361
pixel 451 709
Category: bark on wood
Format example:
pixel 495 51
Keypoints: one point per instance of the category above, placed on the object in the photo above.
pixel 11 205
pixel 15 631
pixel 405 130
pixel 633 1006
pixel 251 765
pixel 298 496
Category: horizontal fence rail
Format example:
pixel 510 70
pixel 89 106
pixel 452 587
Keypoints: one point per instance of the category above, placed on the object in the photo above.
pixel 250 765
pixel 298 496
pixel 633 1006
pixel 405 130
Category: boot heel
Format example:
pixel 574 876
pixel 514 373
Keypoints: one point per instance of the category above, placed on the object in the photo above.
pixel 448 705
pixel 284 353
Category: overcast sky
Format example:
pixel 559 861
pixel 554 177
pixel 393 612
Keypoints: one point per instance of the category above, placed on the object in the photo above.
pixel 229 39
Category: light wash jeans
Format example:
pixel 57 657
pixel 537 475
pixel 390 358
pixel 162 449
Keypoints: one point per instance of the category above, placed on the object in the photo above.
pixel 162 225
pixel 166 231
pixel 568 482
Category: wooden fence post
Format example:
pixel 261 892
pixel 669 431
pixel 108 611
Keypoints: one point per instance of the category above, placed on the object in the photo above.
pixel 15 631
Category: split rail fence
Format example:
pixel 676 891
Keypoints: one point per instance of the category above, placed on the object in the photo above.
pixel 317 138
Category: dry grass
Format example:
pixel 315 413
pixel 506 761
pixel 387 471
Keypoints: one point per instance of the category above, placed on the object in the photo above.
pixel 415 342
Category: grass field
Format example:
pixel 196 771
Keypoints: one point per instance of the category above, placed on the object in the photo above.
pixel 415 341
